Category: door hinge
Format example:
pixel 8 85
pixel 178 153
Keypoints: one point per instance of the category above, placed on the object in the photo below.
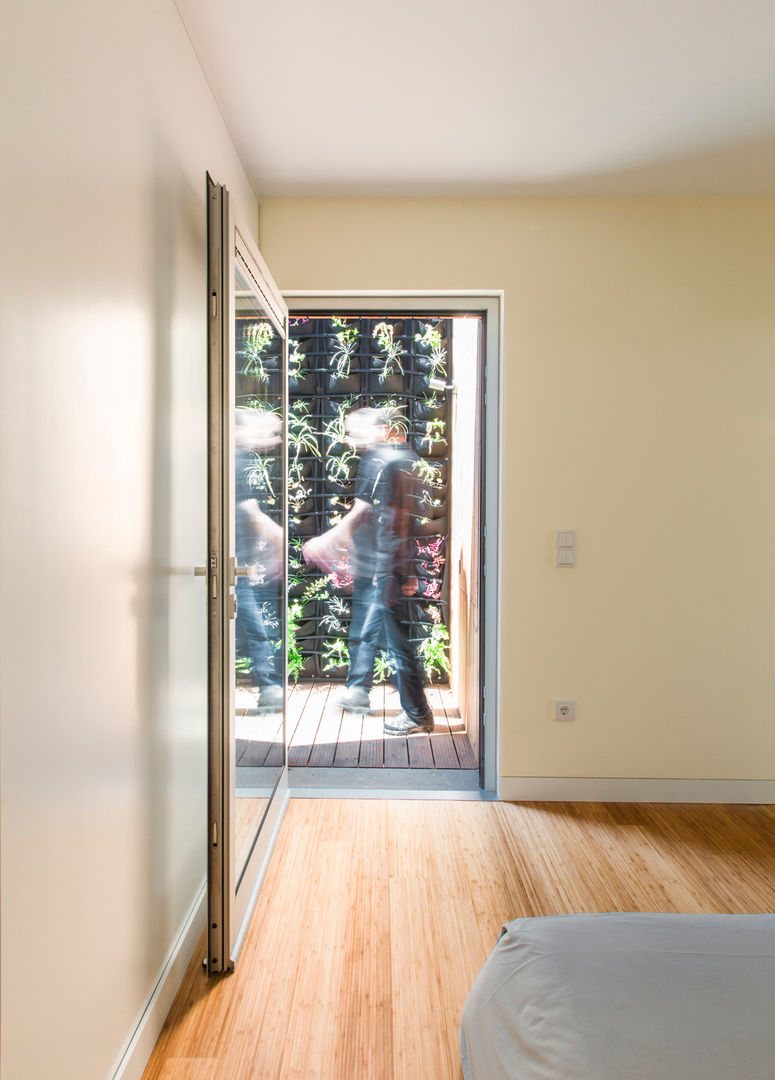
pixel 215 834
pixel 213 305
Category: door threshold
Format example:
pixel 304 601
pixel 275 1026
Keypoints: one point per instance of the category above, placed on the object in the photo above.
pixel 310 782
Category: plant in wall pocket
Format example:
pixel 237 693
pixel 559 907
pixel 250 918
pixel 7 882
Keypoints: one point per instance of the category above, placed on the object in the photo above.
pixel 392 350
pixel 434 649
pixel 435 360
pixel 434 436
pixel 316 590
pixel 336 655
pixel 256 340
pixel 384 667
pixel 346 340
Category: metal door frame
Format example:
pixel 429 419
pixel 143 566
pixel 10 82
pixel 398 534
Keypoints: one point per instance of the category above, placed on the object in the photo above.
pixel 489 304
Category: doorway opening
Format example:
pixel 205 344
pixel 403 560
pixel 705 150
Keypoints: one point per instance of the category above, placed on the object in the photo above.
pixel 424 363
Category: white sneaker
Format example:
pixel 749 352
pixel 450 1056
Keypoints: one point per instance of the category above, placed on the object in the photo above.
pixel 354 699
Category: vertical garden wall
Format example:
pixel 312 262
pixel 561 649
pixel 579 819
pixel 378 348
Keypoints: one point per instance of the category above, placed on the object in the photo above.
pixel 336 364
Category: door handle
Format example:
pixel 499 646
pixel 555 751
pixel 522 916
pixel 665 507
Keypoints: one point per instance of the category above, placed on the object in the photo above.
pixel 244 571
pixel 200 571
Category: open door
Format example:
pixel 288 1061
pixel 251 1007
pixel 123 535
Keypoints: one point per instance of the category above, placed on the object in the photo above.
pixel 247 581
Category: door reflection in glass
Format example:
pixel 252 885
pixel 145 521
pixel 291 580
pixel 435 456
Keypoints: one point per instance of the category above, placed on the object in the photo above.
pixel 259 548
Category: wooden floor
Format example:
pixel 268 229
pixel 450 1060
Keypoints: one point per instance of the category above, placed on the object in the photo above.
pixel 321 734
pixel 375 917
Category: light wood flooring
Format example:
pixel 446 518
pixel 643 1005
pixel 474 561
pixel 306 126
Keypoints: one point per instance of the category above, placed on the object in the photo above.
pixel 375 917
pixel 322 735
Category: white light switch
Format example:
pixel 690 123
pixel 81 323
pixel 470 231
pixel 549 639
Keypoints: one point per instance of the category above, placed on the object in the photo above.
pixel 565 547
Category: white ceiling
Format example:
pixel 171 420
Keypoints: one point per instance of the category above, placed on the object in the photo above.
pixel 494 97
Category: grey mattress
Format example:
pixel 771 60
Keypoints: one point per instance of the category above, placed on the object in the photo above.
pixel 625 997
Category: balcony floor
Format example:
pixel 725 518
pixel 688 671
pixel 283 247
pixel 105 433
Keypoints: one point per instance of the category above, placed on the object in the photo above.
pixel 322 735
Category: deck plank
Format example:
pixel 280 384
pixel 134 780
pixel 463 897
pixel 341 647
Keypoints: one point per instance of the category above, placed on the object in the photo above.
pixel 348 743
pixel 306 718
pixel 324 748
pixel 442 746
pixel 458 727
pixel 372 741
pixel 420 753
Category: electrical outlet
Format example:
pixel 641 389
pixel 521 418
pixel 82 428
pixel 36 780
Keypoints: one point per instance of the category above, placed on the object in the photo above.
pixel 565 710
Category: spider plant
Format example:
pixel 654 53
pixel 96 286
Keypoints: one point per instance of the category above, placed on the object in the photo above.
pixel 346 344
pixel 258 475
pixel 334 619
pixel 339 463
pixel 394 413
pixel 302 437
pixel 256 340
pixel 295 358
pixel 393 350
pixel 431 339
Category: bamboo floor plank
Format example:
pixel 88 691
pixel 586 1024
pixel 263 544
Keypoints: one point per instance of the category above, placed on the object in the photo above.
pixel 376 915
pixel 191 1069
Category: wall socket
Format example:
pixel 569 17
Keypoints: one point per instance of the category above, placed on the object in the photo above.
pixel 565 710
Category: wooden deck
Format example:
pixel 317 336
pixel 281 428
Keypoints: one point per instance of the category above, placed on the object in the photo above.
pixel 322 735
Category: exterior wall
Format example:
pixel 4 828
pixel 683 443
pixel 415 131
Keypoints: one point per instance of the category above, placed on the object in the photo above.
pixel 638 409
pixel 108 130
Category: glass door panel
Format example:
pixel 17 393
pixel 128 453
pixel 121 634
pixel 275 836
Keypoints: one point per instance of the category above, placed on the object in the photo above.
pixel 247 531
pixel 259 543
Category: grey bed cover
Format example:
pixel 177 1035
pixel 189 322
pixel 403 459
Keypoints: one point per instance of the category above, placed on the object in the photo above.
pixel 625 997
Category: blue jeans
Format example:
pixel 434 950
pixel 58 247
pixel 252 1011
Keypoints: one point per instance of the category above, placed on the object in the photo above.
pixel 258 630
pixel 385 615
pixel 362 652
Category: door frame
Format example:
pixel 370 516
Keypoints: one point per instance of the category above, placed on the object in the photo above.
pixel 230 901
pixel 488 303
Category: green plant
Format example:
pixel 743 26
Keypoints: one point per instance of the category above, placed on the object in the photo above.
pixel 431 339
pixel 338 610
pixel 295 359
pixel 316 590
pixel 383 667
pixel 339 463
pixel 336 654
pixel 434 649
pixel 302 437
pixel 429 474
pixel 394 414
pixel 393 350
pixel 243 665
pixel 259 476
pixel 255 341
pixel 346 344
pixel 434 432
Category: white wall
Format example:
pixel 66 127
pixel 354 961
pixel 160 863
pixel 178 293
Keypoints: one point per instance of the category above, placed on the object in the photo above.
pixel 108 128
pixel 639 406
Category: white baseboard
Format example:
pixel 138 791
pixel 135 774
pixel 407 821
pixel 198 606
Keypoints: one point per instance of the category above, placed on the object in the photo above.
pixel 149 1023
pixel 631 789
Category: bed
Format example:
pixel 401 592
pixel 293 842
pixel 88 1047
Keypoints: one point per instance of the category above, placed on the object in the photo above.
pixel 625 997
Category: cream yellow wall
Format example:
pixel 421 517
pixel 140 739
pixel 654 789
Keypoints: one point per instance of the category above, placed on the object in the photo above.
pixel 639 408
